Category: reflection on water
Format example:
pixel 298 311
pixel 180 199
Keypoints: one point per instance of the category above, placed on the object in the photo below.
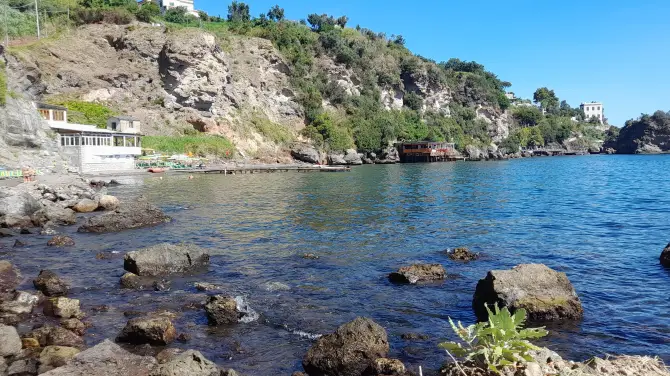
pixel 601 219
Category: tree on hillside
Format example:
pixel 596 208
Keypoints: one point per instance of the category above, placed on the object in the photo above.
pixel 399 40
pixel 276 13
pixel 324 22
pixel 176 15
pixel 238 12
pixel 147 11
pixel 545 98
pixel 527 116
pixel 342 21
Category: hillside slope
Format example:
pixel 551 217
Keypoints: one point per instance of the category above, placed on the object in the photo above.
pixel 249 89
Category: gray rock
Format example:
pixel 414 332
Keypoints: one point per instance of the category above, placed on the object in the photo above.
pixel 49 335
pixel 10 344
pixel 665 258
pixel 305 153
pixel 15 202
pixel 20 304
pixel 154 330
pixel 127 216
pixel 23 367
pixel 462 254
pixel 16 221
pixel 55 356
pixel 163 259
pixel 50 284
pixel 473 153
pixel 104 359
pixel 189 363
pixel 74 325
pixel 55 215
pixel 546 295
pixel 135 282
pixel 351 157
pixel 336 159
pixel 350 351
pixel 419 273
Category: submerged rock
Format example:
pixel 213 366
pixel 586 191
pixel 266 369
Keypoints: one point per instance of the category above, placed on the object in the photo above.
pixel 350 351
pixel 105 359
pixel 163 259
pixel 546 295
pixel 665 256
pixel 50 284
pixel 135 282
pixel 61 241
pixel 206 286
pixel 126 216
pixel 223 310
pixel 419 273
pixel 462 254
pixel 153 330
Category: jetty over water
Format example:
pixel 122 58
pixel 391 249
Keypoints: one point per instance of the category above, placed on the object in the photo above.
pixel 551 151
pixel 257 169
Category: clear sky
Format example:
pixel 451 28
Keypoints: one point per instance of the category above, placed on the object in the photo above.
pixel 613 51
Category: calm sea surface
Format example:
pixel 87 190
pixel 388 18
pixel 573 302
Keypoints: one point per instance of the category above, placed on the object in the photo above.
pixel 601 219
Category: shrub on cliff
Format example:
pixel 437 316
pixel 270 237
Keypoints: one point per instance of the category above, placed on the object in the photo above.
pixel 3 84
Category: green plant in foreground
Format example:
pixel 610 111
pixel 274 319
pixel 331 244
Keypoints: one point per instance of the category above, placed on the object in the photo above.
pixel 497 343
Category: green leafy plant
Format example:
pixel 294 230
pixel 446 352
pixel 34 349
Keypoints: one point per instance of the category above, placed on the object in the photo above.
pixel 497 343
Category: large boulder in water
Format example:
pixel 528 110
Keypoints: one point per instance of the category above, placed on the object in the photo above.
pixel 165 258
pixel 127 216
pixel 49 335
pixel 546 295
pixel 154 330
pixel 419 273
pixel 665 256
pixel 104 359
pixel 305 153
pixel 50 284
pixel 223 310
pixel 350 351
pixel 15 202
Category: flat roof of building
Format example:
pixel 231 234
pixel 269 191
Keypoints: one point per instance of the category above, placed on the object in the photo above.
pixel 591 103
pixel 124 117
pixel 46 106
pixel 85 128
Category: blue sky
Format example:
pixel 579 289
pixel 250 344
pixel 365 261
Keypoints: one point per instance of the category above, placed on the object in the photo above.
pixel 615 51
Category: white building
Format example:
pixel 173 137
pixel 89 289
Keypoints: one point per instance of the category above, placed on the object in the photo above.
pixel 188 4
pixel 593 109
pixel 92 149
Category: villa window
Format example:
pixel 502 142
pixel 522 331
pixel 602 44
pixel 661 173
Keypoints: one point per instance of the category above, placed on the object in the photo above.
pixel 59 116
pixel 45 114
pixel 113 125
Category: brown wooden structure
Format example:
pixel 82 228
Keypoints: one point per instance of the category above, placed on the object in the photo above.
pixel 427 151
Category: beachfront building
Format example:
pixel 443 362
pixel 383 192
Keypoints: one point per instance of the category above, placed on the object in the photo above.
pixel 188 4
pixel 593 109
pixel 426 151
pixel 91 149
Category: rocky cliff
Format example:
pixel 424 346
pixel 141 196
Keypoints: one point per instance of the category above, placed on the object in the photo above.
pixel 187 80
pixel 648 134
pixel 25 139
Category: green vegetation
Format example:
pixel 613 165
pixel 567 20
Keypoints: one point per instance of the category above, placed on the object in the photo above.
pixel 3 84
pixel 498 343
pixel 271 131
pixel 85 112
pixel 201 145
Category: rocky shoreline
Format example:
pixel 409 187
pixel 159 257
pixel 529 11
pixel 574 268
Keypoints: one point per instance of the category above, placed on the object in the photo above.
pixel 142 347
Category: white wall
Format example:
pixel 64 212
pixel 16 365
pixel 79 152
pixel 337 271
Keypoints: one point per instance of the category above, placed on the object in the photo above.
pixel 108 158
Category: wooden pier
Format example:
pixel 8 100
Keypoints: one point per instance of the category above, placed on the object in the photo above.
pixel 257 169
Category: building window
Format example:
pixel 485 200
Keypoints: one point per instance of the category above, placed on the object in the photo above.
pixel 113 125
pixel 45 114
pixel 598 108
pixel 59 115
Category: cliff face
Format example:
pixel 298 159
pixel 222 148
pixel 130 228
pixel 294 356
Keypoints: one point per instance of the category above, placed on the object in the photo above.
pixel 646 135
pixel 25 139
pixel 178 81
